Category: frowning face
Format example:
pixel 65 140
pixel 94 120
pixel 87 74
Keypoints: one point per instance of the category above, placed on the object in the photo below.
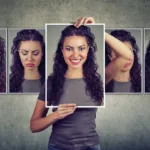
pixel 75 51
pixel 30 53
pixel 128 65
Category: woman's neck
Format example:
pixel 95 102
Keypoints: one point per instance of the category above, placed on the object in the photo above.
pixel 32 74
pixel 122 76
pixel 74 73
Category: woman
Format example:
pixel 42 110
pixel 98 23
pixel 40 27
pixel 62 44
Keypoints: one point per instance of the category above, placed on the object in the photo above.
pixel 74 82
pixel 128 77
pixel 75 128
pixel 147 69
pixel 28 66
pixel 2 66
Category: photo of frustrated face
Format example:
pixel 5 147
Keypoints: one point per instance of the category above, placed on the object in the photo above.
pixel 30 53
pixel 75 51
pixel 127 66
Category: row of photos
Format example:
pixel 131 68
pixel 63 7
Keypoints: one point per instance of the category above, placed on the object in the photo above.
pixel 52 36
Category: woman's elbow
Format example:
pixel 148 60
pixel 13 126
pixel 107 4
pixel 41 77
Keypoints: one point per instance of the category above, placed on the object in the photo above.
pixel 32 127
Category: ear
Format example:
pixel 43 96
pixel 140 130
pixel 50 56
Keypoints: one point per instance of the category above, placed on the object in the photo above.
pixel 112 55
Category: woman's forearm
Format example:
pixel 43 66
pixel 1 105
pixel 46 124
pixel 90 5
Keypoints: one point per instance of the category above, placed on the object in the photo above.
pixel 39 124
pixel 118 47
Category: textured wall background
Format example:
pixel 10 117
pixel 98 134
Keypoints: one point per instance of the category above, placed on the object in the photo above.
pixel 125 123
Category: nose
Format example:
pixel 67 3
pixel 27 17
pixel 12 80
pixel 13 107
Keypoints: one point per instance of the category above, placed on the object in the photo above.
pixel 30 57
pixel 75 53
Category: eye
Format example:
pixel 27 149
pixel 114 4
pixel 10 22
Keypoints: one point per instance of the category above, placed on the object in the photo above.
pixel 81 48
pixel 68 48
pixel 36 53
pixel 24 52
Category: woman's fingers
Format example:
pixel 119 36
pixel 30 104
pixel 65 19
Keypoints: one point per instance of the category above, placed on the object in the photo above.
pixel 84 20
pixel 89 20
pixel 65 110
pixel 79 22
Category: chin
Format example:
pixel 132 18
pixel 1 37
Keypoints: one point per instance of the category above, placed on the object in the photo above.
pixel 76 67
pixel 126 70
pixel 30 69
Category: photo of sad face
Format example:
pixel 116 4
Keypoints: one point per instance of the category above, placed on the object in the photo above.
pixel 28 61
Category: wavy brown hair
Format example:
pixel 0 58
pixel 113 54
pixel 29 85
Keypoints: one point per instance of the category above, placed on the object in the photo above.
pixel 2 65
pixel 147 69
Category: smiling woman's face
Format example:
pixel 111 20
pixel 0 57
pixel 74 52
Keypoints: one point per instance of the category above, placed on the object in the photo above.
pixel 30 53
pixel 75 51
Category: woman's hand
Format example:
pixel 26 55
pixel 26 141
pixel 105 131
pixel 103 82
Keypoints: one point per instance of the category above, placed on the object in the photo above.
pixel 39 121
pixel 64 110
pixel 83 21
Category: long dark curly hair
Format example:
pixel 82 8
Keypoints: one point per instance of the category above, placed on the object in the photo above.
pixel 92 79
pixel 17 69
pixel 147 69
pixel 2 65
pixel 135 72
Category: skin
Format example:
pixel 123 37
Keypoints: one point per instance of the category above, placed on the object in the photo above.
pixel 124 74
pixel 75 52
pixel 30 53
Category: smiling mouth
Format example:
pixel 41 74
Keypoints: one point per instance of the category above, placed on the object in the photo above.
pixel 75 61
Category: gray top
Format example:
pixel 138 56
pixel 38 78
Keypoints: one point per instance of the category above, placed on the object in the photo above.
pixel 74 92
pixel 121 86
pixel 76 131
pixel 31 86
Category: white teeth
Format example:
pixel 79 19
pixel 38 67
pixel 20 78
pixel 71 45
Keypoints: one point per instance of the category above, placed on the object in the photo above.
pixel 76 61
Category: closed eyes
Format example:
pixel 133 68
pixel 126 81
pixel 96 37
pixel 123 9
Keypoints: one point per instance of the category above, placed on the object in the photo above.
pixel 25 52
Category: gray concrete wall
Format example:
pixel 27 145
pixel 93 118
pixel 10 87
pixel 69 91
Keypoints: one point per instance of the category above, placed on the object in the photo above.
pixel 125 123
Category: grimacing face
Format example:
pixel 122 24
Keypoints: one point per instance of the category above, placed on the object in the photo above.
pixel 75 51
pixel 128 66
pixel 30 53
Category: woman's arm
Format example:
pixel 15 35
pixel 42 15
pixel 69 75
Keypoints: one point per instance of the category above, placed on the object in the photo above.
pixel 118 47
pixel 39 121
pixel 123 56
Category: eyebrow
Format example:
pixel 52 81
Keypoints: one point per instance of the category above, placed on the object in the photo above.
pixel 73 47
pixel 28 50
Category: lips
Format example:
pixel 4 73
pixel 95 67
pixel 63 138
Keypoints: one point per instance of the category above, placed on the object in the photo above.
pixel 30 65
pixel 127 65
pixel 75 61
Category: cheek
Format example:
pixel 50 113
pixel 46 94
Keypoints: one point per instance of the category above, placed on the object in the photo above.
pixel 22 58
pixel 38 59
pixel 84 55
pixel 66 55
